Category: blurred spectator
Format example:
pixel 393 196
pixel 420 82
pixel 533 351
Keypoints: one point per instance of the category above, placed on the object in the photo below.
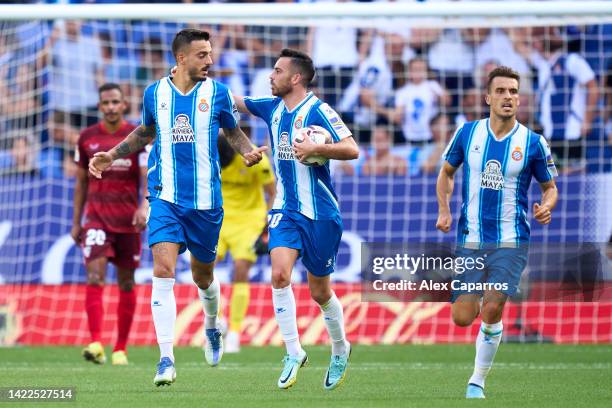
pixel 452 59
pixel 152 62
pixel 264 43
pixel 76 70
pixel 151 66
pixel 381 161
pixel 232 58
pixel 417 103
pixel 594 43
pixel 19 155
pixel 335 53
pixel 568 97
pixel 371 87
pixel 57 158
pixel 473 106
pixel 430 158
pixel 19 86
pixel 116 68
pixel 496 45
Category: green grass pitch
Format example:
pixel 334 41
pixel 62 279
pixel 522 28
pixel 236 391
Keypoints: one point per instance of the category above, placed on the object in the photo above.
pixel 378 376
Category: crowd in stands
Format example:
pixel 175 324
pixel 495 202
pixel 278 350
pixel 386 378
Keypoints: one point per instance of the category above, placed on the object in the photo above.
pixel 402 91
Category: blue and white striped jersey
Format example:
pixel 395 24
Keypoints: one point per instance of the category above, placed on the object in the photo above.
pixel 301 188
pixel 184 162
pixel 496 178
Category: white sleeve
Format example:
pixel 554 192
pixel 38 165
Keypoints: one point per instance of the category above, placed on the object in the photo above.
pixel 436 88
pixel 400 97
pixel 579 68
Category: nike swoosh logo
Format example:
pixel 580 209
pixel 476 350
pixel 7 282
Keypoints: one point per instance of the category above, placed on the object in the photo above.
pixel 284 380
pixel 327 384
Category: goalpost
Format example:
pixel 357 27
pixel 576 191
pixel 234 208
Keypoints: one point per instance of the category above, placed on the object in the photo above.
pixel 48 95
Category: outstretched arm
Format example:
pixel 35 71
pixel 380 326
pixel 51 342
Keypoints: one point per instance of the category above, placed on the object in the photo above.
pixel 241 143
pixel 242 108
pixel 133 142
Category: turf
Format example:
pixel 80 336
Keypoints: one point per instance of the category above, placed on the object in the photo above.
pixel 410 375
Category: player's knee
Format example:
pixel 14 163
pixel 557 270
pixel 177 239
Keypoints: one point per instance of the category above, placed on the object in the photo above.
pixel 95 278
pixel 321 296
pixel 203 281
pixel 492 312
pixel 126 285
pixel 281 277
pixel 463 317
pixel 161 270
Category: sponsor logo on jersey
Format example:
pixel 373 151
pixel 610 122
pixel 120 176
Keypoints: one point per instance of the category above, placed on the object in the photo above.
pixel 203 106
pixel 163 106
pixel 476 149
pixel 492 176
pixel 333 118
pixel 182 132
pixel 284 150
pixel 517 154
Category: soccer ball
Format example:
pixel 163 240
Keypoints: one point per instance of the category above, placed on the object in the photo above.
pixel 318 135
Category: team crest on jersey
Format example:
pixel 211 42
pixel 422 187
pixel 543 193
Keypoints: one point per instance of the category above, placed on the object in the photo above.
pixel 517 154
pixel 298 123
pixel 284 150
pixel 492 176
pixel 203 106
pixel 182 132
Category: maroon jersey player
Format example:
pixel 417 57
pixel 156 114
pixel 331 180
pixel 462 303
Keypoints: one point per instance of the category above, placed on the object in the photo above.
pixel 107 221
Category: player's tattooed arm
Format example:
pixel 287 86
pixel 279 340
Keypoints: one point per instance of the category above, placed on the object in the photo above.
pixel 238 140
pixel 241 143
pixel 134 142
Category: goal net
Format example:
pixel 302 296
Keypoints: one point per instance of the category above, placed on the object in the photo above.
pixel 403 76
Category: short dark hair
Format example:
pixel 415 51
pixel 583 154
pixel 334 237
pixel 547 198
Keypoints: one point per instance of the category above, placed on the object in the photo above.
pixel 186 36
pixel 504 72
pixel 109 86
pixel 302 62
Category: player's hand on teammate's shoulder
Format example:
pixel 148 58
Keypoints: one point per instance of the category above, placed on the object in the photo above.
pixel 444 222
pixel 254 156
pixel 542 213
pixel 99 163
